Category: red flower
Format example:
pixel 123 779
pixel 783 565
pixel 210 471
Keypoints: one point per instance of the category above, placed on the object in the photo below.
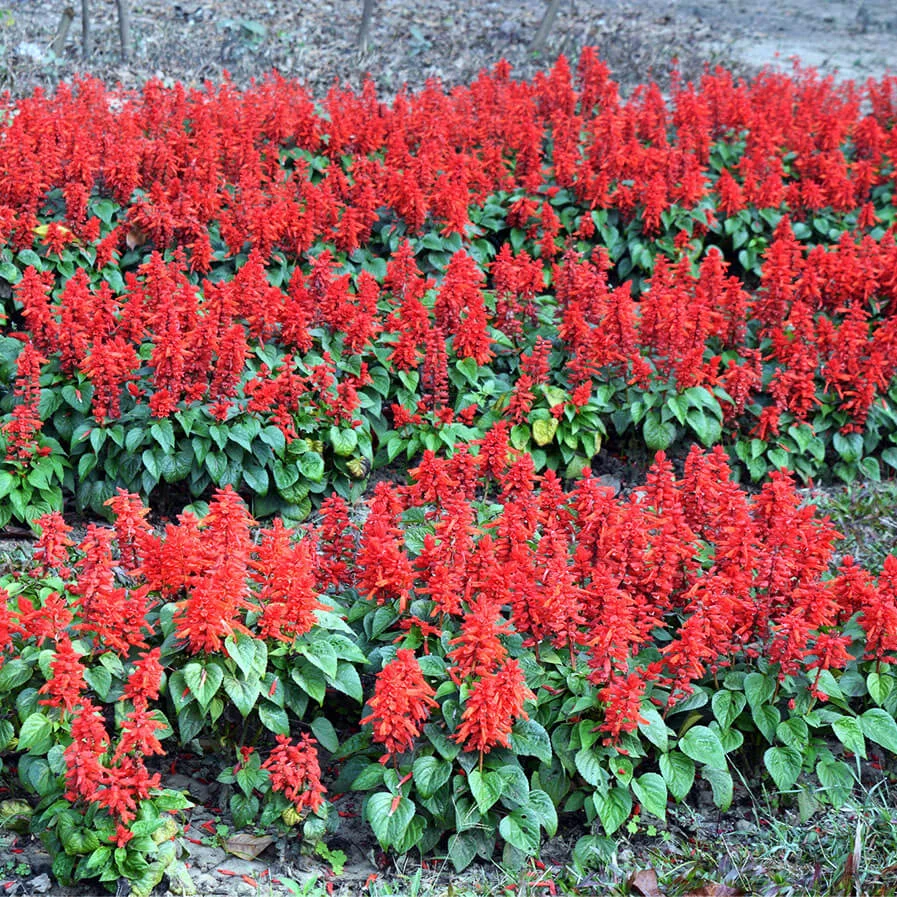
pixel 143 682
pixel 491 708
pixel 295 772
pixel 402 702
pixel 67 682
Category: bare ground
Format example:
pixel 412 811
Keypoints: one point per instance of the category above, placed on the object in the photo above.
pixel 197 40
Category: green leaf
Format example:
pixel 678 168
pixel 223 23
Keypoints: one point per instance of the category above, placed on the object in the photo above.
pixel 311 680
pixel 388 822
pixel 653 727
pixel 828 685
pixel 273 437
pixel 766 718
pixel 518 830
pixel 878 725
pixel 651 791
pixel 430 774
pixel 758 689
pixel 849 733
pixel 241 649
pixel 243 694
pixel 720 782
pixel 520 437
pixel 529 739
pixel 7 482
pixel 469 369
pixel 151 461
pixel 13 673
pixel 36 734
pixel 311 466
pixel 99 679
pixel 784 765
pixel 849 446
pixel 794 733
pixel 448 748
pixel 256 478
pixel 678 404
pixel 707 428
pixel 613 808
pixel 274 718
pixel 348 681
pixel 486 788
pixel 203 680
pixel 370 776
pixel 7 732
pixel 344 441
pixel 30 258
pixel 94 864
pixel 659 434
pixel 10 273
pixel 880 686
pixel 589 767
pixel 837 779
pixel 542 808
pixel 889 456
pixel 243 433
pixel 727 705
pixel 322 655
pixel 325 733
pixel 678 772
pixel 462 849
pixel 244 809
pixel 163 433
pixel 104 209
pixel 703 745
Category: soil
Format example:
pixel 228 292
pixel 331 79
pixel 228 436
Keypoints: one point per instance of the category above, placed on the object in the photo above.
pixel 197 40
pixel 194 41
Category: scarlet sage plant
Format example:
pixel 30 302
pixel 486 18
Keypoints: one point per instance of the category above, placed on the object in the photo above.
pixel 259 292
pixel 232 306
pixel 576 661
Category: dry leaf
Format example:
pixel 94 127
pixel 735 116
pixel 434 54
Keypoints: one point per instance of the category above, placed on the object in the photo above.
pixel 645 883
pixel 247 847
pixel 135 237
pixel 715 890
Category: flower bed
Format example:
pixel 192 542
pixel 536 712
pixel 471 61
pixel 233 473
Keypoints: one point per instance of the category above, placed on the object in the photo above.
pixel 537 651
pixel 239 305
pixel 210 288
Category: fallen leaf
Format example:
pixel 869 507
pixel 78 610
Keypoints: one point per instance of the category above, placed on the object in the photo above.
pixel 135 237
pixel 247 847
pixel 644 882
pixel 715 890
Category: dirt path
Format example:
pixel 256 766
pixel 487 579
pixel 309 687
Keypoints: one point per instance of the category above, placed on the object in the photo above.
pixel 195 40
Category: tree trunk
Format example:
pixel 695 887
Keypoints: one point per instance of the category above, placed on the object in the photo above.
pixel 62 31
pixel 364 31
pixel 124 28
pixel 545 27
pixel 86 35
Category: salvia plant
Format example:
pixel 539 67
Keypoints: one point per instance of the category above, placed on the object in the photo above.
pixel 234 306
pixel 213 287
pixel 531 653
